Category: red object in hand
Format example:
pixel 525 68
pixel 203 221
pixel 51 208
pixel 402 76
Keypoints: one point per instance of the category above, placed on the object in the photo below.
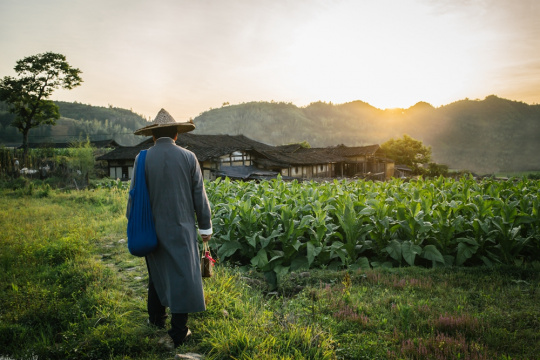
pixel 209 257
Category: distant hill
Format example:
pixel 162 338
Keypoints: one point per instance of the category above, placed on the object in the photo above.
pixel 76 123
pixel 484 136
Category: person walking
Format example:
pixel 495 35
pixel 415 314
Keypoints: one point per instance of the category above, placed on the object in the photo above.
pixel 179 203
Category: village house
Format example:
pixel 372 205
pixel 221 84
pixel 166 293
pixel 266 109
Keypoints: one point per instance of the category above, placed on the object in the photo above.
pixel 332 162
pixel 215 153
pixel 239 157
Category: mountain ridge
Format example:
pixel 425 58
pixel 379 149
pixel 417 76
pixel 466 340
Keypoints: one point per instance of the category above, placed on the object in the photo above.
pixel 489 135
pixel 485 136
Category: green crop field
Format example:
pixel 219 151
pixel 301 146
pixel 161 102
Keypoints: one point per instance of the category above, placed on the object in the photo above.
pixel 279 227
pixel 438 269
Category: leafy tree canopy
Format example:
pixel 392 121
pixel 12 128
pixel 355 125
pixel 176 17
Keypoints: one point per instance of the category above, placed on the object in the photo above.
pixel 26 95
pixel 407 151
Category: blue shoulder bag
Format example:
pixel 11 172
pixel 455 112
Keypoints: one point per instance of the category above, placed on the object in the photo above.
pixel 141 232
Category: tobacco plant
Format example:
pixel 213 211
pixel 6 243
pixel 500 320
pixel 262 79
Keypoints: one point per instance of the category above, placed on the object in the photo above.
pixel 277 227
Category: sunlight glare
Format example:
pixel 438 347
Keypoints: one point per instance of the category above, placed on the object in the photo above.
pixel 389 61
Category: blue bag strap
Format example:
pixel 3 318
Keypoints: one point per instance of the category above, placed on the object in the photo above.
pixel 141 173
pixel 139 187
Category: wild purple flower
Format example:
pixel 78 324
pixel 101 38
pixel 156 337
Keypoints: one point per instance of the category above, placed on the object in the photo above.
pixel 347 313
pixel 442 346
pixel 450 324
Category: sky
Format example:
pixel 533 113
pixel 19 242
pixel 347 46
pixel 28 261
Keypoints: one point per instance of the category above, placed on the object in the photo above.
pixel 188 56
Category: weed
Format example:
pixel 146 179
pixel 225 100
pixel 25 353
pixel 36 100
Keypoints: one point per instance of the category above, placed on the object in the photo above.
pixel 441 347
pixel 449 324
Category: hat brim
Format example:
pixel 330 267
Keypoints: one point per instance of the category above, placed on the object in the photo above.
pixel 181 127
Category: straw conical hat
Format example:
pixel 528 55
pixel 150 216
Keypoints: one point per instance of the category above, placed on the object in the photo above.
pixel 164 119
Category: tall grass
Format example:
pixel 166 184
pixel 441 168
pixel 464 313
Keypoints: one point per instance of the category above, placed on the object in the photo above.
pixel 70 289
pixel 56 291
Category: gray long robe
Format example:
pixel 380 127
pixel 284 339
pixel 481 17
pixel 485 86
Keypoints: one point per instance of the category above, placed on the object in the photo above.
pixel 177 195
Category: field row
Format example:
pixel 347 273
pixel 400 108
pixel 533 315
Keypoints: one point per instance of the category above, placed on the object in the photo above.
pixel 277 226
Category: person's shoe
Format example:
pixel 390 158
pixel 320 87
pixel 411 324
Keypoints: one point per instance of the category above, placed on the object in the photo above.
pixel 188 335
pixel 184 340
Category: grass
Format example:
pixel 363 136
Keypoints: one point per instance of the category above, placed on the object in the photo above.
pixel 429 313
pixel 70 290
pixel 522 174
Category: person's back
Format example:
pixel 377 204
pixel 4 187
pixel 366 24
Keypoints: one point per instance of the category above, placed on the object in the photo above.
pixel 179 203
pixel 173 177
pixel 169 175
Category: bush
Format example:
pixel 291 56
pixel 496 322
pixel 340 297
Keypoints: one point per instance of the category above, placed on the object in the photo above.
pixel 18 183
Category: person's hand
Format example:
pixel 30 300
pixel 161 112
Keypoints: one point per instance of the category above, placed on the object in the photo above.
pixel 205 238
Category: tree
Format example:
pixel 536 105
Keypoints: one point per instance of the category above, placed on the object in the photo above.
pixel 82 158
pixel 407 151
pixel 26 95
pixel 435 170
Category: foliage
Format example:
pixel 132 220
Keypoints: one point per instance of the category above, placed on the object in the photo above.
pixel 82 158
pixel 80 121
pixel 436 170
pixel 26 96
pixel 532 175
pixel 305 144
pixel 407 151
pixel 101 123
pixel 59 168
pixel 111 184
pixel 73 291
pixel 277 227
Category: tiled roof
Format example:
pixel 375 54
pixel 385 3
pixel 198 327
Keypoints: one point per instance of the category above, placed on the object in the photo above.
pixel 301 157
pixel 289 148
pixel 209 147
pixel 346 151
pixel 294 156
pixel 206 147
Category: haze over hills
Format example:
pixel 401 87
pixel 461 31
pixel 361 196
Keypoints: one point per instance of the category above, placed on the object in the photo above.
pixel 484 136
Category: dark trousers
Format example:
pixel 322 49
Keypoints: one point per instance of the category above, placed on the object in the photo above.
pixel 157 314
